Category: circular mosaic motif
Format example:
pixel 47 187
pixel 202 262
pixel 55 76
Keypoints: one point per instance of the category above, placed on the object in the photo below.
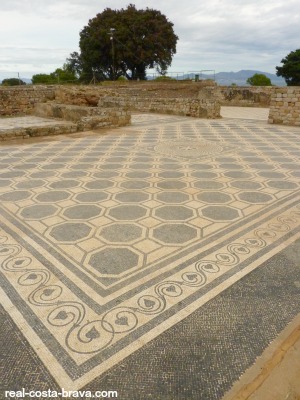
pixel 188 148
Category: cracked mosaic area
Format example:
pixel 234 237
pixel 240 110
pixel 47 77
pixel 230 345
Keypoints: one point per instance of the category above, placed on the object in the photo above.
pixel 108 238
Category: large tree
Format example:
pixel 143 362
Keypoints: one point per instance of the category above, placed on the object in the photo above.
pixel 125 42
pixel 290 70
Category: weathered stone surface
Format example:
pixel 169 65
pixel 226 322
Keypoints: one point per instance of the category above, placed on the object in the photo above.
pixel 30 126
pixel 258 96
pixel 85 117
pixel 200 108
pixel 21 100
pixel 285 112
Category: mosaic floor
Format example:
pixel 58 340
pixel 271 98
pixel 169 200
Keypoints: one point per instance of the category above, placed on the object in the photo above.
pixel 258 114
pixel 107 241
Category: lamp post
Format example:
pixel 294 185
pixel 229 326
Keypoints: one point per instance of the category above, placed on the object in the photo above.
pixel 111 33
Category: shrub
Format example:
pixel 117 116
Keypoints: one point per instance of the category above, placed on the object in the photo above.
pixel 12 82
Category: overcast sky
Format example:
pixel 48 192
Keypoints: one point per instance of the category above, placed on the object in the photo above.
pixel 222 35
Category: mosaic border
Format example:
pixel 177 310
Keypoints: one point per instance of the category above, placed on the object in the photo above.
pixel 161 302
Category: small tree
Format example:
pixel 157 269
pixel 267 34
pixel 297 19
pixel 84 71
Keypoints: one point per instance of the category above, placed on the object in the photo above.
pixel 63 75
pixel 259 80
pixel 74 64
pixel 290 70
pixel 12 82
pixel 60 75
pixel 46 79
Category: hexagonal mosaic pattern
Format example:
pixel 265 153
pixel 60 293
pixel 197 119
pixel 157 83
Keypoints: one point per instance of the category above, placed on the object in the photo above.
pixel 148 188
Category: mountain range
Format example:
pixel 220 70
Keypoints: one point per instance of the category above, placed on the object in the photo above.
pixel 224 78
pixel 228 78
pixel 240 78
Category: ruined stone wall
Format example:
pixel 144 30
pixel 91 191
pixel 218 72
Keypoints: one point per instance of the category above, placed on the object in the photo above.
pixel 169 99
pixel 20 100
pixel 285 106
pixel 204 105
pixel 245 96
pixel 37 131
pixel 186 107
pixel 248 96
pixel 82 95
pixel 178 98
pixel 85 117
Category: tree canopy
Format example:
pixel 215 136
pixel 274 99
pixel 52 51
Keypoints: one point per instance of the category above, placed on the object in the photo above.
pixel 290 70
pixel 259 80
pixel 60 75
pixel 124 42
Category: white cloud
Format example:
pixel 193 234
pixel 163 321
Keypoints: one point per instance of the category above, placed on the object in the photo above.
pixel 223 35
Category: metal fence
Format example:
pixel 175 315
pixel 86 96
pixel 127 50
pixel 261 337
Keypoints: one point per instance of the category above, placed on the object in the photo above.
pixel 190 75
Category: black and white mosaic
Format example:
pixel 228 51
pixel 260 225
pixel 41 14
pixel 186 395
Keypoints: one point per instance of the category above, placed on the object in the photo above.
pixel 108 240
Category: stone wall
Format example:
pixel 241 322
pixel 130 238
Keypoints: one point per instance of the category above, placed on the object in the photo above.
pixel 20 100
pixel 285 106
pixel 82 95
pixel 205 106
pixel 247 96
pixel 136 96
pixel 85 117
pixel 37 131
pixel 168 99
pixel 186 107
pixel 193 98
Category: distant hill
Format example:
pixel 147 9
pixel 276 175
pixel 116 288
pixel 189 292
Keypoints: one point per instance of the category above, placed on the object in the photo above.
pixel 28 81
pixel 239 78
